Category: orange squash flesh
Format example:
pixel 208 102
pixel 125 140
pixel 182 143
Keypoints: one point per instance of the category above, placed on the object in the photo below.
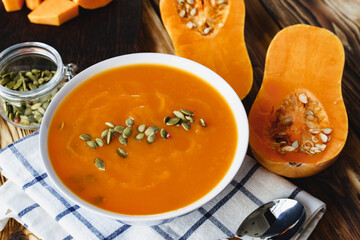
pixel 54 12
pixel 223 49
pixel 92 4
pixel 32 4
pixel 307 60
pixel 13 5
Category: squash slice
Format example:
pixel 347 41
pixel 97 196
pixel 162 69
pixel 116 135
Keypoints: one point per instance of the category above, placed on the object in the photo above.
pixel 298 121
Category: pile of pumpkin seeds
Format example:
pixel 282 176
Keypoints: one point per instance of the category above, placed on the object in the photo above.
pixel 26 80
pixel 181 117
pixel 123 133
pixel 27 113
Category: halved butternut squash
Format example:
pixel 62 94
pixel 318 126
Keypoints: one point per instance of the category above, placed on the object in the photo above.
pixel 211 33
pixel 298 121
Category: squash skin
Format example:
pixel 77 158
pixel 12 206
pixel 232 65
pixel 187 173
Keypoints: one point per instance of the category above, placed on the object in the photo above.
pixel 305 58
pixel 224 51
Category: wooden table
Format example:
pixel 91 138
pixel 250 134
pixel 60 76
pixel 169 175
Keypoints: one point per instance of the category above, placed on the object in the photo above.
pixel 124 27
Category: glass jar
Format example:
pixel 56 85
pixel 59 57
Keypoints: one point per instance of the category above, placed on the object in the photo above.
pixel 31 73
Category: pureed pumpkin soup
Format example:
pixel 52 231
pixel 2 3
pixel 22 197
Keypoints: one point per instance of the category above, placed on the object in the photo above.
pixel 185 153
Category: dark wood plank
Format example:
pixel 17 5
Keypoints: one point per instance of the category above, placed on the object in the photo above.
pixel 91 37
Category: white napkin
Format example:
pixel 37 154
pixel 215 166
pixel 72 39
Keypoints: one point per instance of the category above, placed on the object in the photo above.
pixel 31 198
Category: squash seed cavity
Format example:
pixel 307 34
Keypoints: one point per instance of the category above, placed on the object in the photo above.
pixel 300 125
pixel 204 17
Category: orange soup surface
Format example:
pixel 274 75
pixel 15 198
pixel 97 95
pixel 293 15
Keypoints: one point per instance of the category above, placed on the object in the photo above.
pixel 165 175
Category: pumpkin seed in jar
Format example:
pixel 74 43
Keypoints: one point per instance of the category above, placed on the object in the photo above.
pixel 31 76
pixel 24 122
pixel 35 106
pixel 41 110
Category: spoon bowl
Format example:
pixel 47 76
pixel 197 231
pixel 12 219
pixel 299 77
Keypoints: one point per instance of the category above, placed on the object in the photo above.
pixel 279 219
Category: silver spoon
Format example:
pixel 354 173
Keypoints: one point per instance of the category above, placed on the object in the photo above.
pixel 279 219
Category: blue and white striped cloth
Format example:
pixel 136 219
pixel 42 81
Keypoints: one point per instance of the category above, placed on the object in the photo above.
pixel 30 197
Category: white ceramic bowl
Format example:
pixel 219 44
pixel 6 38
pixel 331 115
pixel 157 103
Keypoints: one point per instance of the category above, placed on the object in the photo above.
pixel 154 58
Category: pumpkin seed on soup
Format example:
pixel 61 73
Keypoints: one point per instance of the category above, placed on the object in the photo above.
pixel 122 153
pixel 179 115
pixel 151 138
pixel 166 119
pixel 99 142
pixel 164 133
pixel 186 126
pixel 85 137
pixel 100 164
pixel 104 133
pixel 127 132
pixel 139 136
pixel 151 130
pixel 202 122
pixel 109 124
pixel 129 122
pixel 141 128
pixel 173 121
pixel 119 129
pixel 108 136
pixel 123 140
pixel 91 144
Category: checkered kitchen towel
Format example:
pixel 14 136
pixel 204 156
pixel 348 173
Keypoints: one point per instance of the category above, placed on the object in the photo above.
pixel 30 197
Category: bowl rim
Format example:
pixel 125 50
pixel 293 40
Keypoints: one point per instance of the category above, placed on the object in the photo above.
pixel 162 59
